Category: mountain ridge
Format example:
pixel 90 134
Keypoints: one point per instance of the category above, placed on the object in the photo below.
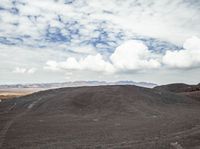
pixel 78 83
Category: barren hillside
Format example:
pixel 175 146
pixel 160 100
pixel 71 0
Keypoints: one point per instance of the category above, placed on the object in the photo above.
pixel 106 117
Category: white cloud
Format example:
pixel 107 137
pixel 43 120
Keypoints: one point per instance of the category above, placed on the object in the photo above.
pixel 31 70
pixel 98 24
pixel 189 57
pixel 91 62
pixel 133 55
pixel 52 65
pixel 192 43
pixel 20 70
pixel 96 63
pixel 159 19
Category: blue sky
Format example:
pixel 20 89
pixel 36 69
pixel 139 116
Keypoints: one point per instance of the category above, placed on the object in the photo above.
pixel 66 40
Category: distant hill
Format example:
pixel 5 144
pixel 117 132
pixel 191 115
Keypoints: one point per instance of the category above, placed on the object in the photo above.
pixel 16 90
pixel 184 89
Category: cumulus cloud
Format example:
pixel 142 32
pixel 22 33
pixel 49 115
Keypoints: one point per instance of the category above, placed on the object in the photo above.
pixel 21 70
pixel 90 62
pixel 131 55
pixel 134 55
pixel 52 65
pixel 192 43
pixel 188 57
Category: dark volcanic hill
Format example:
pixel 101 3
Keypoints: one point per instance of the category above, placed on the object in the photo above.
pixel 179 87
pixel 104 117
pixel 192 91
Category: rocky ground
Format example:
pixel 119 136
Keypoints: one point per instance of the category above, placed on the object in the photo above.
pixel 104 117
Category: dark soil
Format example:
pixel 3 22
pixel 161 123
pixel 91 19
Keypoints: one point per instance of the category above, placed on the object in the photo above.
pixel 192 91
pixel 103 117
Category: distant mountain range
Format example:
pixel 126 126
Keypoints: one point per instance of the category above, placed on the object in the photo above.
pixel 77 83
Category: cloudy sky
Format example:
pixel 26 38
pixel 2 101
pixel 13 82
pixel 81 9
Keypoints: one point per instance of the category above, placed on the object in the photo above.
pixel 67 40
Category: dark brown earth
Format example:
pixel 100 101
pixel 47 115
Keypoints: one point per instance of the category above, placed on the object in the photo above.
pixel 192 91
pixel 104 117
pixel 179 87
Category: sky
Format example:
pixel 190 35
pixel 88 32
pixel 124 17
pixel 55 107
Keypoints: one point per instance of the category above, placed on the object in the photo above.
pixel 154 41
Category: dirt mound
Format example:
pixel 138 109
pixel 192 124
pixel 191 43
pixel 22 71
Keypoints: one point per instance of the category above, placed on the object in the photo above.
pixel 192 91
pixel 179 87
pixel 103 99
pixel 100 117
